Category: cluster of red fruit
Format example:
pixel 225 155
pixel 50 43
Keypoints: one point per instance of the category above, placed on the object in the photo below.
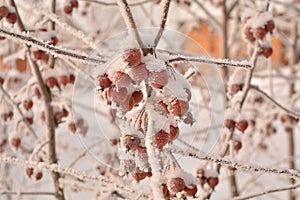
pixel 52 39
pixel 289 122
pixel 68 8
pixel 177 185
pixel 258 33
pixel 10 16
pixel 30 171
pixel 204 178
pixel 231 124
pixel 63 80
pixel 79 125
pixel 7 115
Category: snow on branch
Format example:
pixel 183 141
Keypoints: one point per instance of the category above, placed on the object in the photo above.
pixel 63 170
pixel 115 4
pixel 216 61
pixel 247 167
pixel 55 51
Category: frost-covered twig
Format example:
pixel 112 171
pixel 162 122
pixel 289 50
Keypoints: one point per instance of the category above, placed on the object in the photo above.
pixel 164 16
pixel 130 23
pixel 239 165
pixel 56 51
pixel 21 193
pixel 291 113
pixel 216 61
pixel 8 97
pixel 67 171
pixel 115 4
pixel 292 187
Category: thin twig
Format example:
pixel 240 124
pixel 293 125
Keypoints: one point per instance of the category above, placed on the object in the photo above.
pixel 26 193
pixel 164 16
pixel 54 50
pixel 115 4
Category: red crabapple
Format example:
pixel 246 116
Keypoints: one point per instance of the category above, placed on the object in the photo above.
pixel 127 105
pixel 241 125
pixel 161 138
pixel 176 185
pixel 158 79
pixel 39 175
pixel 138 73
pixel 121 79
pixel 165 191
pixel 163 107
pixel 132 56
pixel 267 51
pixel 74 3
pixel 249 34
pixel 117 94
pixel 260 32
pixel 103 81
pixel 1 81
pixel 29 120
pixel 137 96
pixel 237 145
pixel 72 78
pixel 38 54
pixel 64 79
pixel 51 82
pixel 139 175
pixel 45 57
pixel 29 171
pixel 191 190
pixel 12 18
pixel 4 11
pixel 174 132
pixel 213 181
pixel 27 104
pixel 54 40
pixel 270 25
pixel 16 142
pixel 178 107
pixel 72 127
pixel 229 123
pixel 68 9
pixel 130 142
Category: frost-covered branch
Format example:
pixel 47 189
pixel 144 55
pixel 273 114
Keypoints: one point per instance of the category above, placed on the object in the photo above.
pixel 56 51
pixel 215 61
pixel 292 187
pixel 164 16
pixel 21 193
pixel 115 4
pixel 243 166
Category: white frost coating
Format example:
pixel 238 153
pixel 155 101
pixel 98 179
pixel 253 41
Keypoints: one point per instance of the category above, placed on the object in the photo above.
pixel 230 114
pixel 259 20
pixel 238 77
pixel 153 64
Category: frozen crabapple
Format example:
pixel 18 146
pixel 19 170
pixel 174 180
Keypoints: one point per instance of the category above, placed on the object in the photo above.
pixel 72 78
pixel 249 34
pixel 190 190
pixel 51 82
pixel 4 11
pixel 103 81
pixel 237 145
pixel 229 123
pixel 213 181
pixel 68 9
pixel 178 107
pixel 137 96
pixel 270 25
pixel 130 142
pixel 138 73
pixel 29 171
pixel 241 125
pixel 1 80
pixel 165 191
pixel 16 142
pixel 174 132
pixel 121 79
pixel 176 184
pixel 158 79
pixel 161 138
pixel 38 176
pixel 118 95
pixel 127 105
pixel 139 175
pixel 266 51
pixel 64 79
pixel 260 32
pixel 132 56
pixel 27 104
pixel 12 18
pixel 74 3
pixel 72 127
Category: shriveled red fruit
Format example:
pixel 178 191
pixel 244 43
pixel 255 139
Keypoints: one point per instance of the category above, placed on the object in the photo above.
pixel 138 73
pixel 191 190
pixel 51 82
pixel 174 132
pixel 249 34
pixel 127 105
pixel 16 142
pixel 65 112
pixel 10 114
pixel 229 123
pixel 176 184
pixel 54 40
pixel 37 92
pixel 58 116
pixel 165 191
pixel 267 51
pixel 241 125
pixel 118 95
pixel 1 81
pixel 2 38
pixel 29 120
pixel 4 11
pixel 270 25
pixel 74 3
pixel 72 78
pixel 12 18
pixel 178 107
pixel 103 81
pixel 38 54
pixel 139 175
pixel 130 142
pixel 137 96
pixel 231 168
pixel 39 175
pixel 260 32
pixel 64 79
pixel 237 145
pixel 29 171
pixel 161 138
pixel 158 79
pixel 121 79
pixel 68 9
pixel 162 106
pixel 72 127
pixel 213 181
pixel 27 104
pixel 114 141
pixel 132 56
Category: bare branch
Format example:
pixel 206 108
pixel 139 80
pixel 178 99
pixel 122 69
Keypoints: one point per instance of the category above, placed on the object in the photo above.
pixel 164 16
pixel 26 193
pixel 115 4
